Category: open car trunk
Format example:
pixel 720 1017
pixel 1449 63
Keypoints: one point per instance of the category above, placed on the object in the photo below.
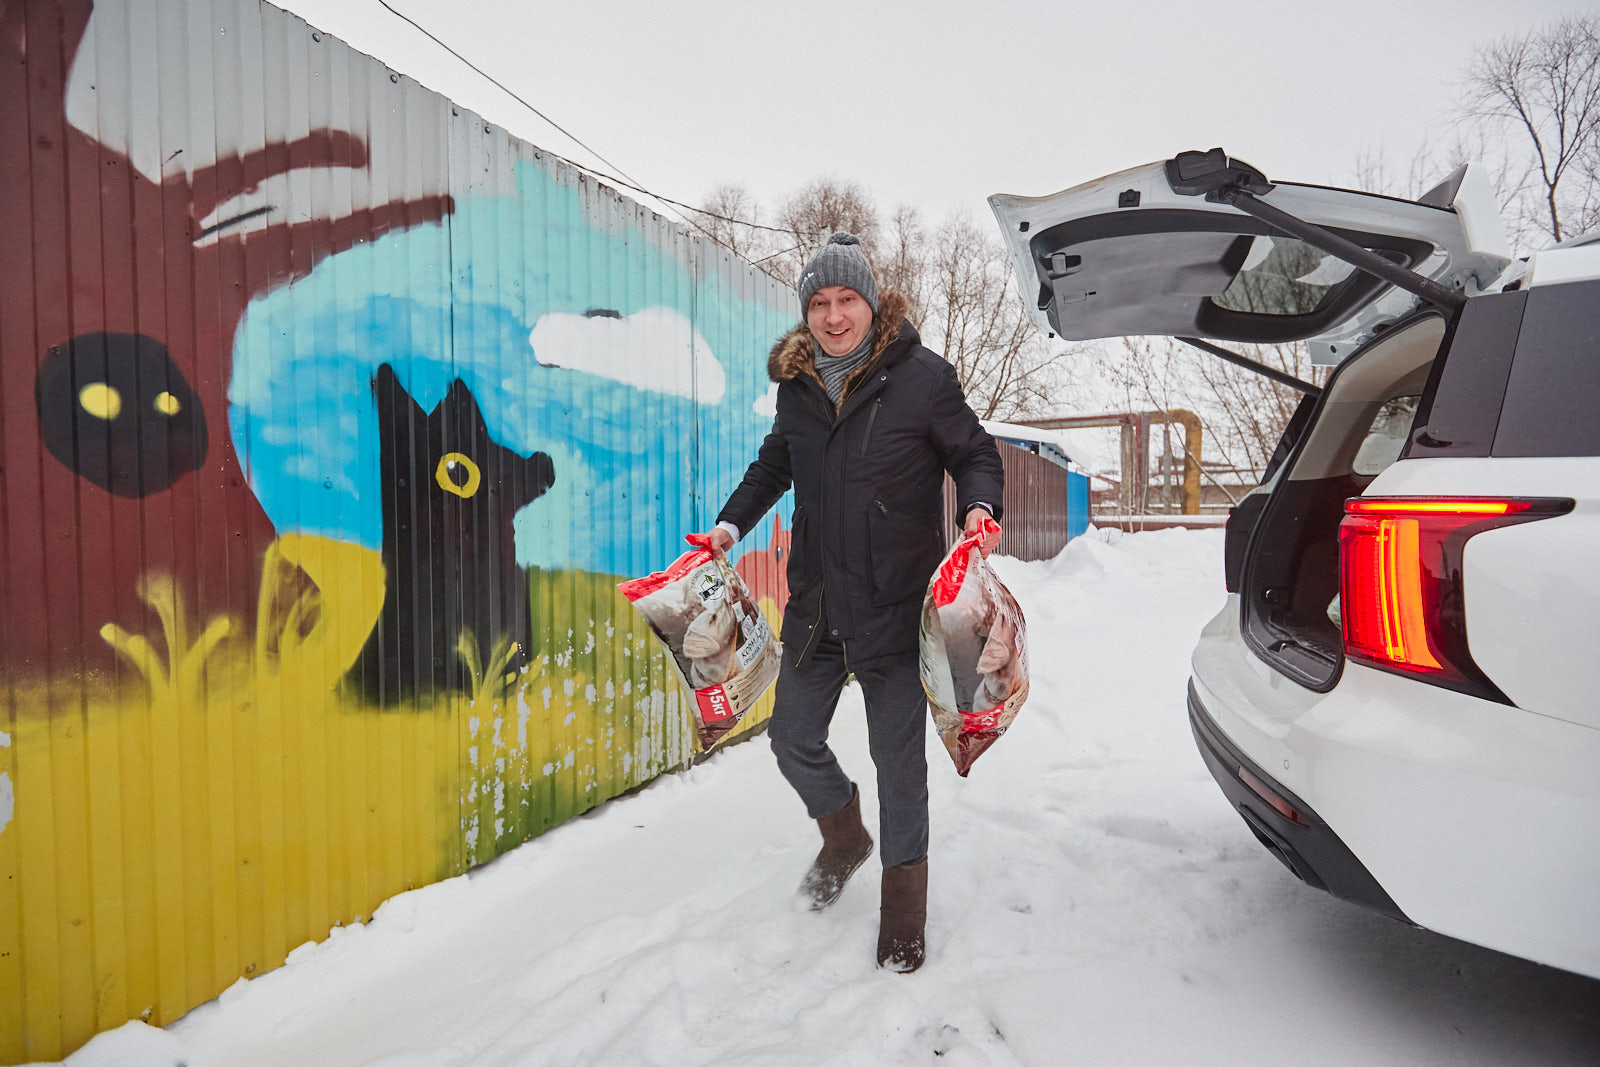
pixel 1288 578
pixel 1202 246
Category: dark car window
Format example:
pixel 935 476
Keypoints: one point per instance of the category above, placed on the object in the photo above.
pixel 1461 404
pixel 1552 400
pixel 1520 377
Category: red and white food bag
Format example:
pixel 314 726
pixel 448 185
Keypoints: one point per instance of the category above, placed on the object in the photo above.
pixel 717 640
pixel 974 652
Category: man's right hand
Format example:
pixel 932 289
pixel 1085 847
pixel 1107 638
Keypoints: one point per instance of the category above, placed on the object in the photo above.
pixel 720 539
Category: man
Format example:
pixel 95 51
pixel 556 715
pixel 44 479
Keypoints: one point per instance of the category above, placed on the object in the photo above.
pixel 868 423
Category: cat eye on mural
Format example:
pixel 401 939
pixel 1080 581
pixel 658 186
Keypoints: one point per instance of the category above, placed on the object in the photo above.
pixel 459 475
pixel 100 400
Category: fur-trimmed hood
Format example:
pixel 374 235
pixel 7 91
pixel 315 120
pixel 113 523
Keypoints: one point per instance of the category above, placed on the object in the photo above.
pixel 795 352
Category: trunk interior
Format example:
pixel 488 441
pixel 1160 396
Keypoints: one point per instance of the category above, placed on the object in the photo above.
pixel 1290 583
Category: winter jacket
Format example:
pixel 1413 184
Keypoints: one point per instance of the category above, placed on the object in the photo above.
pixel 868 478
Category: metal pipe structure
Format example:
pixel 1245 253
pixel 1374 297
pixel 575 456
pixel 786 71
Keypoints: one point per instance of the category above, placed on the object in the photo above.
pixel 1136 450
pixel 1191 452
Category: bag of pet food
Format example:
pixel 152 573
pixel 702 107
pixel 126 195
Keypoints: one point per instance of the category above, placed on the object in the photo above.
pixel 974 652
pixel 718 642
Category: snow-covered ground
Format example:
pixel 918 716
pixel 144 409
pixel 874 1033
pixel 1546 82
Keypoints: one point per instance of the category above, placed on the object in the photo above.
pixel 1093 900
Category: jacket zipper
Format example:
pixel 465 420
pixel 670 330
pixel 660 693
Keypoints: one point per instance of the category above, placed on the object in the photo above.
pixel 872 417
pixel 801 658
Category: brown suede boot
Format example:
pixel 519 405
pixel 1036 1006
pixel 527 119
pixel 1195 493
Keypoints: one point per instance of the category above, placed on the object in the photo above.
pixel 845 846
pixel 904 916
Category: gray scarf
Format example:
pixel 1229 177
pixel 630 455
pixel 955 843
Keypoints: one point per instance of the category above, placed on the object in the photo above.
pixel 834 370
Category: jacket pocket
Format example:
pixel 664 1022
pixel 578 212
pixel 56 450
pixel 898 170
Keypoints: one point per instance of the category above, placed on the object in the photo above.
pixel 803 568
pixel 905 549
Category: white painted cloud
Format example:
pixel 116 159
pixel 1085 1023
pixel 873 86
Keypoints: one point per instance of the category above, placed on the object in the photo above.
pixel 656 349
pixel 767 403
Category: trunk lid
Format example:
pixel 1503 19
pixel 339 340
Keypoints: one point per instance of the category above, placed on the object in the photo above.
pixel 1130 254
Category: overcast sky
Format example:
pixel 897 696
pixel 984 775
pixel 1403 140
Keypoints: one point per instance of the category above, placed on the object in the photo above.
pixel 939 103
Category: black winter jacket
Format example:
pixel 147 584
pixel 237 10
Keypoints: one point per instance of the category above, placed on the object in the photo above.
pixel 867 478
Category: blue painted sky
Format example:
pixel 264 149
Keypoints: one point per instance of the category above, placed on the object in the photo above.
pixel 616 400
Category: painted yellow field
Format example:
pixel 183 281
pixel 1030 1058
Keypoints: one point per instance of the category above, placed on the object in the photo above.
pixel 220 801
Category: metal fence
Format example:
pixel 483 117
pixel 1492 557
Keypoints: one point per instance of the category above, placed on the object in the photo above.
pixel 1045 505
pixel 331 417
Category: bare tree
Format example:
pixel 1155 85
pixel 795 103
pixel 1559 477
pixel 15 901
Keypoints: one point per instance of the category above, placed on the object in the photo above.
pixel 730 216
pixel 822 207
pixel 902 263
pixel 974 316
pixel 1544 86
pixel 1249 410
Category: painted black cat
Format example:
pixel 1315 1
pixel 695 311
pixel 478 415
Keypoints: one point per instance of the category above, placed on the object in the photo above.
pixel 449 496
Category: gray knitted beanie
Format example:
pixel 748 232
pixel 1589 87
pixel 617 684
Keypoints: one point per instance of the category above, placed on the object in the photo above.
pixel 839 262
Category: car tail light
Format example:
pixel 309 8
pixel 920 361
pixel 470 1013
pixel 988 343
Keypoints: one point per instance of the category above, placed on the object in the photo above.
pixel 1401 598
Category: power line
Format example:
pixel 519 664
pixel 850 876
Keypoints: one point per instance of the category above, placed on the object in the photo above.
pixel 626 181
pixel 485 74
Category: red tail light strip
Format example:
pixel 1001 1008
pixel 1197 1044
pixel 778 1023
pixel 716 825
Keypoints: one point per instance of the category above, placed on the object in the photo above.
pixel 1401 596
pixel 1435 506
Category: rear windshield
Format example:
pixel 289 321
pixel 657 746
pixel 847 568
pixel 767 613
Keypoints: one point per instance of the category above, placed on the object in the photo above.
pixel 1282 276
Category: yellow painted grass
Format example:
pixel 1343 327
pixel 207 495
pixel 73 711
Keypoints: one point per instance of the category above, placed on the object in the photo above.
pixel 220 801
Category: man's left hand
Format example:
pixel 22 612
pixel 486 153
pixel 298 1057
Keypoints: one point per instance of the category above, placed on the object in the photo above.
pixel 975 517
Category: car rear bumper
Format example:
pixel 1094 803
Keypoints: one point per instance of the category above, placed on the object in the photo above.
pixel 1479 820
pixel 1284 823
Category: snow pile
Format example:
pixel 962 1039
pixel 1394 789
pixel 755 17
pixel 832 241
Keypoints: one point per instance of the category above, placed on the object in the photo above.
pixel 1092 900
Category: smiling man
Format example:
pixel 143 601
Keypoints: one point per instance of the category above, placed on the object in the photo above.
pixel 868 423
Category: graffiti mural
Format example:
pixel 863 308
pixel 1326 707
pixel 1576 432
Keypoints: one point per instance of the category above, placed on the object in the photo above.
pixel 332 416
pixel 115 409
pixel 449 495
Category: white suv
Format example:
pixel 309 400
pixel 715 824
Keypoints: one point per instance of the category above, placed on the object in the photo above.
pixel 1402 694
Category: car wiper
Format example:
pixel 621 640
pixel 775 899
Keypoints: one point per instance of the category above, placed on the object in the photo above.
pixel 1235 183
pixel 1260 368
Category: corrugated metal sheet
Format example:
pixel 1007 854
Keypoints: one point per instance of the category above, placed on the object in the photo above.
pixel 331 417
pixel 1040 511
pixel 1077 503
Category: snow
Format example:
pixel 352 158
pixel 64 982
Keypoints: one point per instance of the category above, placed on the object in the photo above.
pixel 1093 900
pixel 1093 448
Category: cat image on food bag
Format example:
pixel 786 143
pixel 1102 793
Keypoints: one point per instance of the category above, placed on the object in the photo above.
pixel 718 641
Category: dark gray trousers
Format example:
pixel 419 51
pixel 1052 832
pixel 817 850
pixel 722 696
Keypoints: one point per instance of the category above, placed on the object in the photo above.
pixel 897 716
